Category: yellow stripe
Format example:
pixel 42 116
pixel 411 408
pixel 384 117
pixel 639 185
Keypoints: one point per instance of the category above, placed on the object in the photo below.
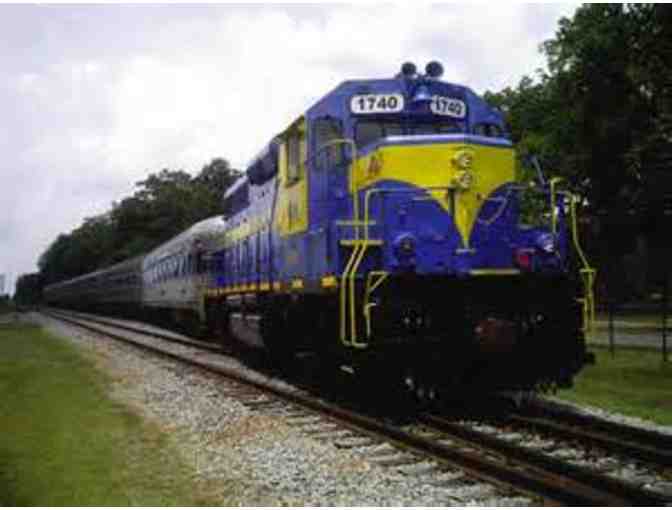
pixel 358 242
pixel 494 272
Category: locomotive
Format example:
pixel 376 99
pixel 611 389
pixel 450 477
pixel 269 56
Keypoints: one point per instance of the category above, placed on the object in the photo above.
pixel 383 231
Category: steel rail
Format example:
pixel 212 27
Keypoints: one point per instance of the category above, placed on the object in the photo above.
pixel 107 322
pixel 543 409
pixel 584 479
pixel 523 476
pixel 644 451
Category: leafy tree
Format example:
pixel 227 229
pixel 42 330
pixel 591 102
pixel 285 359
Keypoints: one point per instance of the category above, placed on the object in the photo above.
pixel 28 289
pixel 213 181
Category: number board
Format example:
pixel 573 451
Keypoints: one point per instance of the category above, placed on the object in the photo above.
pixel 377 103
pixel 448 106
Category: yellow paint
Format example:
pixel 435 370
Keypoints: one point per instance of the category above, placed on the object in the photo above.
pixel 246 229
pixel 292 206
pixel 355 242
pixel 442 165
pixel 494 272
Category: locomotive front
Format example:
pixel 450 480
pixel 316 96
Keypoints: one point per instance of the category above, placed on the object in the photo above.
pixel 439 275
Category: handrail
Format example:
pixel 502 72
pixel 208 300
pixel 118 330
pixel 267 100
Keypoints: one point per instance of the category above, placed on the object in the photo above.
pixel 588 273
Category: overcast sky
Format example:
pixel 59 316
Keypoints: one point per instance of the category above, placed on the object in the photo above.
pixel 93 98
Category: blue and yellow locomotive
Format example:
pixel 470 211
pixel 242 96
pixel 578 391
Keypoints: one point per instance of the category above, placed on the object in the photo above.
pixel 383 229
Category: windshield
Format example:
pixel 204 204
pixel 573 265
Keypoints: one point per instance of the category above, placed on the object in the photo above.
pixel 368 131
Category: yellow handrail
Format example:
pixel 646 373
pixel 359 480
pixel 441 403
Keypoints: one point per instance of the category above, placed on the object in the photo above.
pixel 371 287
pixel 349 272
pixel 587 272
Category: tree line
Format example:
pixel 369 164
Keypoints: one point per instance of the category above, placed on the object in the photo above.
pixel 600 117
pixel 163 205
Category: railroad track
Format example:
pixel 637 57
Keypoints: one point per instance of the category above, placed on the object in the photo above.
pixel 655 448
pixel 432 438
pixel 154 332
pixel 641 443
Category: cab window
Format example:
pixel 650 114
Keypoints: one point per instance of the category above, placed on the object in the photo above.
pixel 368 131
pixel 434 128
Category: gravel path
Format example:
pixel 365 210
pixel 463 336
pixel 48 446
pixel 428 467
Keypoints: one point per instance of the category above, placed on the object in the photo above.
pixel 253 456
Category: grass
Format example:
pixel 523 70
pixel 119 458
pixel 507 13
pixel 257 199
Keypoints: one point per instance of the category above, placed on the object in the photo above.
pixel 5 307
pixel 634 382
pixel 63 441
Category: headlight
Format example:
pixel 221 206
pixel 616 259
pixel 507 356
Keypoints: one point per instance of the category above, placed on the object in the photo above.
pixel 546 243
pixel 464 159
pixel 464 180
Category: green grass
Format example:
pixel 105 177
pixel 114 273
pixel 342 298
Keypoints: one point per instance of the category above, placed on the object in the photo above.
pixel 63 441
pixel 634 382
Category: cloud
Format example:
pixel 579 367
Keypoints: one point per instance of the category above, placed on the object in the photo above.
pixel 96 97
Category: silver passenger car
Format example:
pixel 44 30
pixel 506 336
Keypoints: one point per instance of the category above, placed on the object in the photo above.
pixel 175 274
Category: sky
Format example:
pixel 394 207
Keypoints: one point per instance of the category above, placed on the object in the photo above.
pixel 93 98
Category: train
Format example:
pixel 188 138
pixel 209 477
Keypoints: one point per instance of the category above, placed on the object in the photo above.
pixel 385 231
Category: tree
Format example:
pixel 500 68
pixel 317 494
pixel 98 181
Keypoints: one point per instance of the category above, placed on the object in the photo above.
pixel 28 289
pixel 214 179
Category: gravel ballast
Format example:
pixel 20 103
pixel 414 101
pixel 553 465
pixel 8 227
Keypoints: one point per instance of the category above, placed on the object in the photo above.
pixel 255 456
